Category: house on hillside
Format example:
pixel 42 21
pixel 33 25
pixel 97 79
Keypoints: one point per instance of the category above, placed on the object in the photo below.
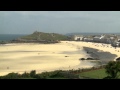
pixel 118 41
pixel 114 41
pixel 108 39
pixel 118 38
pixel 96 38
pixel 103 39
pixel 78 37
pixel 88 39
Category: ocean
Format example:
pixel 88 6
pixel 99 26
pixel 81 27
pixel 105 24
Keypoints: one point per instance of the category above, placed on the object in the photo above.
pixel 8 37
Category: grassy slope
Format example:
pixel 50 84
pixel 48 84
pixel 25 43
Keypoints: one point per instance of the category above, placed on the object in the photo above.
pixel 97 74
pixel 45 36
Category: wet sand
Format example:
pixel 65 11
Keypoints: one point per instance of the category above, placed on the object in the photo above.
pixel 99 46
pixel 104 57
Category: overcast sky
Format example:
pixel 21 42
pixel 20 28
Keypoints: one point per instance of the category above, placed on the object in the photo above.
pixel 26 22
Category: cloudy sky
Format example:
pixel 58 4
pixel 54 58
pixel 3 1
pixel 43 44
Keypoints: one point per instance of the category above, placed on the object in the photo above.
pixel 26 22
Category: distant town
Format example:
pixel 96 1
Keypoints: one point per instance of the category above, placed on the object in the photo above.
pixel 41 37
pixel 112 39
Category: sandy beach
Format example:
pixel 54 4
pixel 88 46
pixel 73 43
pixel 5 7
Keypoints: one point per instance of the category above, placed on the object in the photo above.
pixel 21 57
pixel 100 47
pixel 40 57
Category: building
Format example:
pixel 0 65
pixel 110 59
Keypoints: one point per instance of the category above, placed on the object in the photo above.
pixel 96 38
pixel 88 39
pixel 78 37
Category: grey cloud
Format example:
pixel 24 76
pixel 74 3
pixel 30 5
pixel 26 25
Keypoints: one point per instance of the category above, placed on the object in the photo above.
pixel 59 21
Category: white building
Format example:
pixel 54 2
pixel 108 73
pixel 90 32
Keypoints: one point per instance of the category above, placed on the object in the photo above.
pixel 78 38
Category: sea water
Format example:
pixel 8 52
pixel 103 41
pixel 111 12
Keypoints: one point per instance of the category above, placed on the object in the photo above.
pixel 8 37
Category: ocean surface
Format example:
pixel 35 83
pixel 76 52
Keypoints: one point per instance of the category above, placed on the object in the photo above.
pixel 8 37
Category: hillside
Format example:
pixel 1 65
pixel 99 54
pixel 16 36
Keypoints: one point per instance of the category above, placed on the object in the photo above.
pixel 41 36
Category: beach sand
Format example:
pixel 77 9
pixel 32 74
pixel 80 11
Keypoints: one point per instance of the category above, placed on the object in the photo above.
pixel 23 57
pixel 100 46
pixel 41 57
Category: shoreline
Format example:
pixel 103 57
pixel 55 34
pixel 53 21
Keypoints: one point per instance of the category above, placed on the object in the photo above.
pixel 104 57
pixel 49 57
pixel 41 57
pixel 100 46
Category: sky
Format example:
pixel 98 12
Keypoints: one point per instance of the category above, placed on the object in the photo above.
pixel 63 22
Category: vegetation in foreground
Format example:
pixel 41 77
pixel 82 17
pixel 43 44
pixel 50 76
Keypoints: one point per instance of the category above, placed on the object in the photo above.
pixel 58 74
pixel 113 70
pixel 110 71
pixel 94 74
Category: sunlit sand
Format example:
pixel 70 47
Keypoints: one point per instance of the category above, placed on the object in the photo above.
pixel 47 57
pixel 41 57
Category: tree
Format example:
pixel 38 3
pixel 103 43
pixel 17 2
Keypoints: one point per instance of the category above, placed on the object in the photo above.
pixel 11 76
pixel 25 75
pixel 33 73
pixel 113 69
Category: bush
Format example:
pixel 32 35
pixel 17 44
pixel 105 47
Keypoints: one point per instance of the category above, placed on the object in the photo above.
pixel 33 73
pixel 11 76
pixel 25 75
pixel 113 69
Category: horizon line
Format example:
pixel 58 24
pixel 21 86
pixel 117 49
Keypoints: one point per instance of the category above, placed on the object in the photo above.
pixel 66 33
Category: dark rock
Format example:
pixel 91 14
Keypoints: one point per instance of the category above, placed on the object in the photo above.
pixel 118 58
pixel 82 59
pixel 87 52
pixel 90 59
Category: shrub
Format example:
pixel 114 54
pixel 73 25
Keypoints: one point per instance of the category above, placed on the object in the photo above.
pixel 25 75
pixel 33 73
pixel 113 69
pixel 12 76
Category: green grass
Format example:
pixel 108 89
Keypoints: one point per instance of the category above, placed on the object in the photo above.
pixel 45 36
pixel 58 78
pixel 26 78
pixel 95 74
